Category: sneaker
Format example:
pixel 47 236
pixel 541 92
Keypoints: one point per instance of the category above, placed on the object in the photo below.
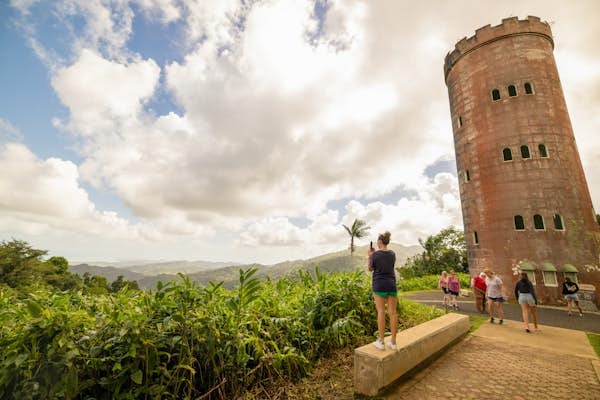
pixel 501 322
pixel 527 330
pixel 392 346
pixel 570 314
pixel 492 320
pixel 379 344
pixel 581 314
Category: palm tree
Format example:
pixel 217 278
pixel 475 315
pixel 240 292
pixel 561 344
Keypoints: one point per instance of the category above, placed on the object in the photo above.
pixel 358 230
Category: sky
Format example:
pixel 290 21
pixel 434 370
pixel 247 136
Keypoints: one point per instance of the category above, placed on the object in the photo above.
pixel 246 131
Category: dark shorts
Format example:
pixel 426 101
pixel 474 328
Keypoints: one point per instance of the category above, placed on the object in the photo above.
pixel 453 293
pixel 445 290
pixel 496 299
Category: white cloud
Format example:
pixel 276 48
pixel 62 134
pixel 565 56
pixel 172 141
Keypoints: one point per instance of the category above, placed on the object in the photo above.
pixel 45 195
pixel 434 206
pixel 279 118
pixel 8 132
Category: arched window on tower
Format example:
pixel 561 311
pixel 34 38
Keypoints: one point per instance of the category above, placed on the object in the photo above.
pixel 538 222
pixel 512 90
pixel 475 238
pixel 558 223
pixel 528 88
pixel 519 223
pixel 543 151
pixel 495 94
pixel 507 154
pixel 525 151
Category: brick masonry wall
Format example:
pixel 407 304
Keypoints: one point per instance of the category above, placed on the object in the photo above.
pixel 514 53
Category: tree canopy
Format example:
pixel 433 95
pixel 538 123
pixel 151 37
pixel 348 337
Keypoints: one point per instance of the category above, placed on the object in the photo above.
pixel 442 252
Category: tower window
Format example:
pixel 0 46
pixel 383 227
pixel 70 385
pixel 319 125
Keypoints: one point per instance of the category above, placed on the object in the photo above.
pixel 467 176
pixel 475 238
pixel 512 90
pixel 507 154
pixel 460 121
pixel 519 223
pixel 525 152
pixel 528 88
pixel 543 151
pixel 549 278
pixel 538 222
pixel 558 223
pixel 495 94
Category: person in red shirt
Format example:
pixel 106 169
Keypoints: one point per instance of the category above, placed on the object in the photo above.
pixel 479 288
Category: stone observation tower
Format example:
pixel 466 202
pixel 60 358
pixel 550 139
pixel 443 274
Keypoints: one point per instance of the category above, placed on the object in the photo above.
pixel 525 201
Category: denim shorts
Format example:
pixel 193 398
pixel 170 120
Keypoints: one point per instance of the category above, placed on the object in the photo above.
pixel 496 299
pixel 526 298
pixel 571 297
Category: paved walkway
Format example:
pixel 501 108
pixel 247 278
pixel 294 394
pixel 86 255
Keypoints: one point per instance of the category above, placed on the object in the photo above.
pixel 504 362
pixel 551 316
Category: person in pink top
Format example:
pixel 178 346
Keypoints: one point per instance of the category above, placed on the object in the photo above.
pixel 454 289
pixel 443 284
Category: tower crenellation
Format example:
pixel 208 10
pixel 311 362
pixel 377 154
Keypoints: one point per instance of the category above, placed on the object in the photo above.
pixel 509 26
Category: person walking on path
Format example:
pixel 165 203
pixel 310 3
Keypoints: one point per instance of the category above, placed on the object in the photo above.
pixel 569 290
pixel 495 295
pixel 479 289
pixel 525 294
pixel 454 289
pixel 381 263
pixel 443 284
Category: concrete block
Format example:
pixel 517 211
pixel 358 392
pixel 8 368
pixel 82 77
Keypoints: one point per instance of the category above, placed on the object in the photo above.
pixel 375 369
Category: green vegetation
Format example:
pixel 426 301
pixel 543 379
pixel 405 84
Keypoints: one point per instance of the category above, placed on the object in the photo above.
pixel 358 230
pixel 445 251
pixel 476 322
pixel 22 268
pixel 594 339
pixel 181 341
pixel 429 282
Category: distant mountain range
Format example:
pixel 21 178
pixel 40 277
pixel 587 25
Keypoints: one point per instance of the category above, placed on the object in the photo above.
pixel 148 273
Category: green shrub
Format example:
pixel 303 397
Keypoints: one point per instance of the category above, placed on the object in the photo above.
pixel 181 341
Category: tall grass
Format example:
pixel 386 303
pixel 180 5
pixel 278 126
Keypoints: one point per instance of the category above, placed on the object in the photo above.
pixel 181 341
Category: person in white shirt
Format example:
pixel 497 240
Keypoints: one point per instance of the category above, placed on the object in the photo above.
pixel 495 294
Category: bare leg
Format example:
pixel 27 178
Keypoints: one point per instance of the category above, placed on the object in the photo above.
pixel 580 310
pixel 492 308
pixel 380 305
pixel 500 310
pixel 533 310
pixel 525 313
pixel 569 306
pixel 391 302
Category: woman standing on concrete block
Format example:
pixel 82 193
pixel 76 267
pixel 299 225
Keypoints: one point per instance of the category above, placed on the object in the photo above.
pixel 381 263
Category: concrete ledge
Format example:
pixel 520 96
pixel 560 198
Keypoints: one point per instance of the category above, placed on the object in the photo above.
pixel 375 369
